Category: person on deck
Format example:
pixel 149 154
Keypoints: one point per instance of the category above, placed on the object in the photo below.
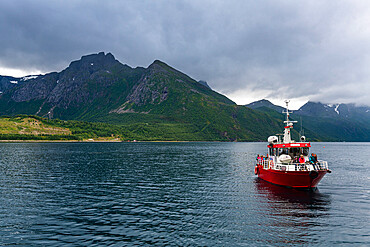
pixel 301 159
pixel 313 159
pixel 295 159
pixel 262 160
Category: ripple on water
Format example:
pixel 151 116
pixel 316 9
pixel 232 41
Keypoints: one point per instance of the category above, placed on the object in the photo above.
pixel 201 194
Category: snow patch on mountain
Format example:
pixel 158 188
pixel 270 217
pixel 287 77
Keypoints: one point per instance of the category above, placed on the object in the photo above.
pixel 26 78
pixel 336 109
pixel 335 106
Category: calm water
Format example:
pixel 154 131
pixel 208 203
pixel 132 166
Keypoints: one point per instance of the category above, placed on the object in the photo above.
pixel 185 194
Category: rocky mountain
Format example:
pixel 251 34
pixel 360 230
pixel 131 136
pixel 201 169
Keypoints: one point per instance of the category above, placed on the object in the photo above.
pixel 162 103
pixel 339 122
pixel 101 89
pixel 342 111
pixel 9 82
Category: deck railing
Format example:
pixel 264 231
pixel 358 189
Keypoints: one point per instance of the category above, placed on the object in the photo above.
pixel 320 165
pixel 323 165
pixel 264 163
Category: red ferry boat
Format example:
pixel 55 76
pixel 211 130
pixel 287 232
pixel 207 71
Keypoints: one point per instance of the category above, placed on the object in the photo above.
pixel 288 163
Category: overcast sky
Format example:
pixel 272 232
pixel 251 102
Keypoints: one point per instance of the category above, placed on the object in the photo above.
pixel 247 50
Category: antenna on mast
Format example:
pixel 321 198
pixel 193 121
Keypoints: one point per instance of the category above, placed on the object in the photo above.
pixel 289 124
pixel 287 121
pixel 301 132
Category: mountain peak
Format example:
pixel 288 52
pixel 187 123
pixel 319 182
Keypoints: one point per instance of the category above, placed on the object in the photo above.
pixel 259 103
pixel 161 67
pixel 265 101
pixel 204 83
pixel 101 56
pixel 94 59
pixel 157 64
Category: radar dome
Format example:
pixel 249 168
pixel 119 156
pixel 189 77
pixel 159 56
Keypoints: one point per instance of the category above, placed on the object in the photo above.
pixel 272 139
pixel 284 158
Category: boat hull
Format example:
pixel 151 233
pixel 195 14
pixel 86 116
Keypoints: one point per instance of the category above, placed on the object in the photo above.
pixel 291 179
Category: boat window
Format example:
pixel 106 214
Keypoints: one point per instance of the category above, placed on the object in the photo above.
pixel 291 152
pixel 295 152
pixel 305 151
pixel 283 151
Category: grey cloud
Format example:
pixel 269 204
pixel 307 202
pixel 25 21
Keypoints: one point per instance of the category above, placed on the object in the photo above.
pixel 316 49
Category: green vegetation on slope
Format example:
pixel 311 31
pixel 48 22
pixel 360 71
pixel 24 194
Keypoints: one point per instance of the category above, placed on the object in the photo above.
pixel 32 128
pixel 27 127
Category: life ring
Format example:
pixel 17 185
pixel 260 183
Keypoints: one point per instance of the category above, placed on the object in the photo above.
pixel 255 170
pixel 313 174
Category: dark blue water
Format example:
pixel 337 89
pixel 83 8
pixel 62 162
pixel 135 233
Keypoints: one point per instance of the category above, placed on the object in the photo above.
pixel 184 194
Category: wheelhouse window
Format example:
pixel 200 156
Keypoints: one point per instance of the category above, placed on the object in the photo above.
pixel 283 151
pixel 273 151
pixel 294 152
pixel 305 151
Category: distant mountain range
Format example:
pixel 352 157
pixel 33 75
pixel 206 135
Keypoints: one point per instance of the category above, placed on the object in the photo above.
pixel 163 103
pixel 158 100
pixel 336 122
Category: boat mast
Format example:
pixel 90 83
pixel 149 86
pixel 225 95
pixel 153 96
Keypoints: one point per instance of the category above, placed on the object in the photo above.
pixel 289 124
pixel 301 132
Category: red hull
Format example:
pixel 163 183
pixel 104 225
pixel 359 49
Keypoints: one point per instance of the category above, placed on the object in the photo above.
pixel 292 179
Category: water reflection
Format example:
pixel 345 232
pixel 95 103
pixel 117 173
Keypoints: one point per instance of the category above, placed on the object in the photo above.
pixel 301 198
pixel 293 216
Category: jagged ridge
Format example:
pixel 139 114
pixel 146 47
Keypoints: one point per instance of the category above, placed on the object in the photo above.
pixel 99 88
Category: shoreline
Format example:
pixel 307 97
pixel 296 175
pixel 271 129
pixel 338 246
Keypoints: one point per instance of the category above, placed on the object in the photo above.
pixel 86 141
pixel 105 140
pixel 135 141
pixel 21 141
